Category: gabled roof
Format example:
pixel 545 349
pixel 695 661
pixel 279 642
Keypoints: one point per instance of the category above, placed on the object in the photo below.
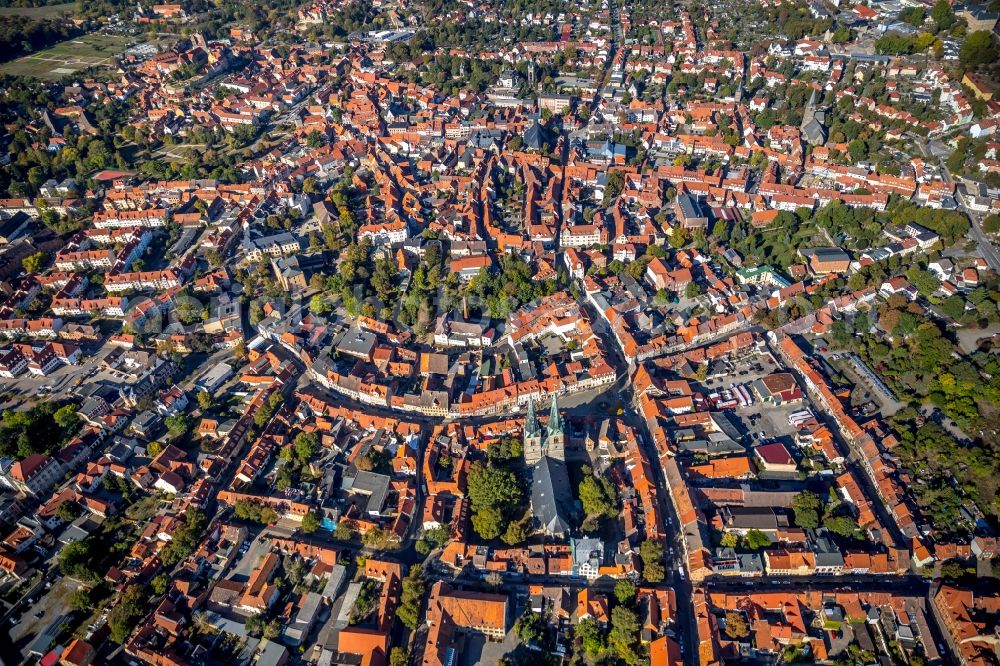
pixel 551 495
pixel 774 453
pixel 534 136
pixel 23 470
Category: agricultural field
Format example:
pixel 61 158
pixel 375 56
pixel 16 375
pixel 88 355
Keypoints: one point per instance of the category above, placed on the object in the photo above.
pixel 68 57
pixel 48 11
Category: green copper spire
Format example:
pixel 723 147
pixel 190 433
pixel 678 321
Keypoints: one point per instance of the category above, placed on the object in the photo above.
pixel 531 421
pixel 554 426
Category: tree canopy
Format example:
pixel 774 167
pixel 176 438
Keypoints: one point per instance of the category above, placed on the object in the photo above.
pixel 979 48
pixel 651 553
pixel 494 492
pixel 806 506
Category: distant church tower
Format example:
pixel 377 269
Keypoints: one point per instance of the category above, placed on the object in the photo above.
pixel 532 436
pixel 813 125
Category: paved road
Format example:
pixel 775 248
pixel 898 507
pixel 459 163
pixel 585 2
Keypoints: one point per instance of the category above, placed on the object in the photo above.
pixel 908 584
pixel 986 247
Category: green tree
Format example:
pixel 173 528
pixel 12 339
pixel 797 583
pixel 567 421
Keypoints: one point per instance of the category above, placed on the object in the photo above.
pixel 438 536
pixel 952 570
pixel 656 251
pixel 185 539
pixel 953 306
pixel 132 607
pixel 806 506
pixel 598 496
pixel 254 625
pixel 306 446
pixel 625 592
pixel 492 491
pixel 615 184
pixel 679 237
pixel 651 553
pixel 159 583
pixel 943 15
pixel 623 638
pixel 319 305
pixel 912 15
pixel 205 400
pixel 591 638
pixel 515 533
pixel 925 281
pixel 757 540
pixel 65 417
pixel 75 560
pixel 33 263
pixel 412 596
pixel 36 176
pixel 488 522
pixel 255 512
pixel 81 602
pixel 956 161
pixel 178 424
pixel 841 525
pixel 399 657
pixel 375 538
pixel 979 48
pixel 310 522
pixel 271 630
pixel 530 627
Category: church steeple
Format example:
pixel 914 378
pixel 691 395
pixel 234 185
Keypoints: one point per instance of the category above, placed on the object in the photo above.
pixel 531 428
pixel 554 426
pixel 532 436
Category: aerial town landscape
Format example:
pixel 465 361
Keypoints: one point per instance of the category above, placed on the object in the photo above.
pixel 455 332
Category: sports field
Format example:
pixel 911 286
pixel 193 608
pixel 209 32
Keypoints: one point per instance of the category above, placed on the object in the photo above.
pixel 69 57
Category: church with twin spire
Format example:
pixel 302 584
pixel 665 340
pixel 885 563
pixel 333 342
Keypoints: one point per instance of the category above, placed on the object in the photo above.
pixel 552 444
pixel 545 454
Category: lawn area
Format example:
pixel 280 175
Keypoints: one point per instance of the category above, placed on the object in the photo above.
pixel 48 11
pixel 69 57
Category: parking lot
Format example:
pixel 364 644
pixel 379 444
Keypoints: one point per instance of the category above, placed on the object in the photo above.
pixel 770 421
pixel 60 381
pixel 762 421
pixel 27 622
pixel 250 554
pixel 744 371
